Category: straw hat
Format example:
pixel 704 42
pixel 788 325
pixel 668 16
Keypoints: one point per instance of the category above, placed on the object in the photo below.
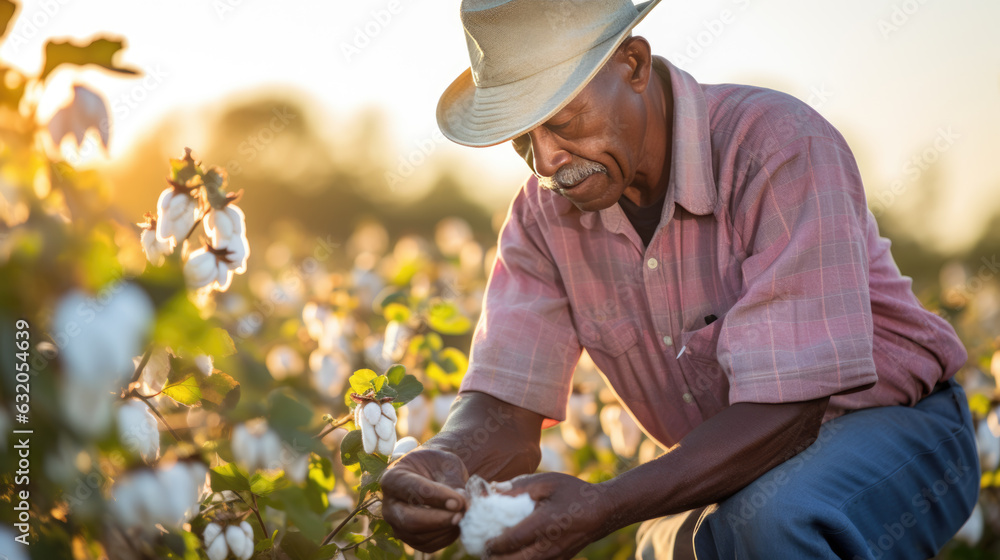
pixel 529 59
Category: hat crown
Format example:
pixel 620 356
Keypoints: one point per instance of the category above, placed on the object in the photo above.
pixel 510 40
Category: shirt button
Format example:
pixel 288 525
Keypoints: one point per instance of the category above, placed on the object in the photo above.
pixel 688 397
pixel 651 263
pixel 668 340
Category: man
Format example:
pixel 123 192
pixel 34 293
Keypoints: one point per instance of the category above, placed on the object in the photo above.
pixel 711 248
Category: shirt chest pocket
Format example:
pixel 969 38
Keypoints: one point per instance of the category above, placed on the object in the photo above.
pixel 699 364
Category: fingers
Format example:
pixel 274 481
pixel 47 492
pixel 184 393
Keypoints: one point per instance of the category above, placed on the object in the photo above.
pixel 413 489
pixel 416 519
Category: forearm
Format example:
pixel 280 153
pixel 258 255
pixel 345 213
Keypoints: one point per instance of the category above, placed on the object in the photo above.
pixel 495 440
pixel 718 458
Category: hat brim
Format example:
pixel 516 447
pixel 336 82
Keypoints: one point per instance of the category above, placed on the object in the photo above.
pixel 486 116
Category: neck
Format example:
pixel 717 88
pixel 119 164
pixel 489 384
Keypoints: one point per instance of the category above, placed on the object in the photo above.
pixel 653 176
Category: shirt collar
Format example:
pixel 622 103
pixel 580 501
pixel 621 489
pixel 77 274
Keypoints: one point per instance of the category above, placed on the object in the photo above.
pixel 692 181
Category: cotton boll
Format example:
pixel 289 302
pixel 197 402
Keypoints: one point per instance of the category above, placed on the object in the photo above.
pixel 204 364
pixel 179 494
pixel 212 530
pixel 490 513
pixel 404 446
pixel 386 445
pixel 389 411
pixel 330 372
pixel 384 428
pixel 201 269
pixel 218 550
pixel 154 375
pixel 239 544
pixel 297 469
pixel 223 225
pixel 269 450
pixel 397 338
pixel 9 548
pixel 155 249
pixel 247 530
pixel 624 432
pixel 137 429
pixel 372 412
pixel 244 447
pixel 369 438
pixel 176 212
pixel 442 407
pixel 282 361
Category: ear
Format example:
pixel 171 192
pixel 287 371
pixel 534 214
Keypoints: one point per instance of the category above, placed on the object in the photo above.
pixel 638 56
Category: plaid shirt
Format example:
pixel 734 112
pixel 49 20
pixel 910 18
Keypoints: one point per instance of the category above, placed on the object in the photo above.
pixel 766 280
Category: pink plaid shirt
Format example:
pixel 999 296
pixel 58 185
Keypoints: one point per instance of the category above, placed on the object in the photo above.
pixel 765 227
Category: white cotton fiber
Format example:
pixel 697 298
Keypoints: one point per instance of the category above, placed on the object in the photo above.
pixel 490 513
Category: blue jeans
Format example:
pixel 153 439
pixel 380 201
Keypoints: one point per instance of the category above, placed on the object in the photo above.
pixel 878 484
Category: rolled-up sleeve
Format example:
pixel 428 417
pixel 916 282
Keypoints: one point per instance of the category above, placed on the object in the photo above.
pixel 802 326
pixel 525 347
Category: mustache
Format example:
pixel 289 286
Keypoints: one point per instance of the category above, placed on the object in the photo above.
pixel 571 174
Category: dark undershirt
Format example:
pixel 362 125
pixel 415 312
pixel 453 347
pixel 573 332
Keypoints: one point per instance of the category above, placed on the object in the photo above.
pixel 643 218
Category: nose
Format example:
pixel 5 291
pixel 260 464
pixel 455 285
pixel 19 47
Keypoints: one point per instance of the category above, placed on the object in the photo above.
pixel 548 155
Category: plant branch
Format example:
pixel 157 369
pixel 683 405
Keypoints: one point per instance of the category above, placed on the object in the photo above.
pixel 256 510
pixel 346 520
pixel 193 227
pixel 357 544
pixel 142 364
pixel 334 426
pixel 145 399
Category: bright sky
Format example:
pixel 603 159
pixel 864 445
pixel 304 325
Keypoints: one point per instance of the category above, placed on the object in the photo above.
pixel 902 79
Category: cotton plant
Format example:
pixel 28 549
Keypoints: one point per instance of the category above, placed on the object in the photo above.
pixel 195 197
pixel 235 539
pixel 166 495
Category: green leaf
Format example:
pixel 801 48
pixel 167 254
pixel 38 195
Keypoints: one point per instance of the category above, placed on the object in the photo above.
pixel 220 389
pixel 287 412
pixel 228 477
pixel 446 318
pixel 378 382
pixel 321 473
pixel 296 505
pixel 263 484
pixel 100 52
pixel 218 343
pixel 395 374
pixel 351 448
pixel 326 552
pixel 396 312
pixel 299 546
pixel 361 380
pixel 407 389
pixel 7 9
pixel 185 391
pixel 385 539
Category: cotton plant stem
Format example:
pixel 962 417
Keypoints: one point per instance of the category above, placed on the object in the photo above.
pixel 142 364
pixel 152 407
pixel 256 511
pixel 334 426
pixel 347 520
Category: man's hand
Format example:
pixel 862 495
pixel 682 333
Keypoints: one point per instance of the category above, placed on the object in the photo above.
pixel 422 501
pixel 569 514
